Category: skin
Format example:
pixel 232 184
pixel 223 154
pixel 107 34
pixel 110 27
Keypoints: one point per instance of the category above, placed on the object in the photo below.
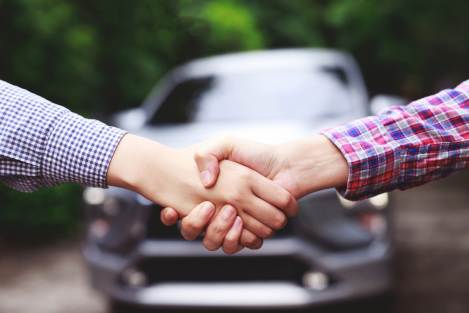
pixel 170 178
pixel 301 167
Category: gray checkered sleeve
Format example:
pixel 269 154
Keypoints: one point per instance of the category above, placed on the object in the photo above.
pixel 44 144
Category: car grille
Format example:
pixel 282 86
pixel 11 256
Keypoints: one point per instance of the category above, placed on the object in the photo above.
pixel 223 269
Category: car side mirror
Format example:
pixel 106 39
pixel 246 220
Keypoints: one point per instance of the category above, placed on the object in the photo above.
pixel 130 119
pixel 380 103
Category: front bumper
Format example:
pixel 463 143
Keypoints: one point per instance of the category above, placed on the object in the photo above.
pixel 354 274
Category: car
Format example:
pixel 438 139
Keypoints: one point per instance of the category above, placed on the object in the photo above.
pixel 334 250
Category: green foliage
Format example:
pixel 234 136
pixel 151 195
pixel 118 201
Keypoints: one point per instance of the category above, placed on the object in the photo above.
pixel 98 57
pixel 232 26
pixel 45 214
pixel 410 47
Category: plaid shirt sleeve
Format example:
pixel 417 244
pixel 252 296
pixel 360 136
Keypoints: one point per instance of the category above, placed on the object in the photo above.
pixel 44 144
pixel 406 146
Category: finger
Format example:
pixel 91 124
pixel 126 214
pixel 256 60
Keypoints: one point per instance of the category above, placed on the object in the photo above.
pixel 208 168
pixel 256 227
pixel 266 214
pixel 231 243
pixel 169 216
pixel 219 227
pixel 194 223
pixel 207 159
pixel 272 193
pixel 250 240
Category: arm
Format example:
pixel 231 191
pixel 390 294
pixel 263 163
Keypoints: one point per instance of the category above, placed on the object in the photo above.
pixel 406 146
pixel 169 177
pixel 400 148
pixel 44 144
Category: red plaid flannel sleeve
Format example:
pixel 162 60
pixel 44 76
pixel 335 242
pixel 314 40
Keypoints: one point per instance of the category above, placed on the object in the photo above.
pixel 406 146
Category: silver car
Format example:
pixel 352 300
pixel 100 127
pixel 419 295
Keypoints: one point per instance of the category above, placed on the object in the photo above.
pixel 335 249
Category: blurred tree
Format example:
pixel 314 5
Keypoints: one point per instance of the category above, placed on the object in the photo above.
pixel 97 57
pixel 229 25
pixel 46 48
pixel 409 47
pixel 46 214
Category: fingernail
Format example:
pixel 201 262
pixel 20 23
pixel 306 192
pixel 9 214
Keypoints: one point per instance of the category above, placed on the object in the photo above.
pixel 238 222
pixel 227 212
pixel 168 215
pixel 207 208
pixel 205 177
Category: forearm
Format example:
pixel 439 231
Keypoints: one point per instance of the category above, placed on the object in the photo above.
pixel 129 163
pixel 406 146
pixel 137 162
pixel 44 144
pixel 315 164
pixel 160 173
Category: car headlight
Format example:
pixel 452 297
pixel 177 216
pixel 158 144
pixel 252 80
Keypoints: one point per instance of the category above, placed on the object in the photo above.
pixel 367 212
pixel 93 196
pixel 378 202
pixel 115 218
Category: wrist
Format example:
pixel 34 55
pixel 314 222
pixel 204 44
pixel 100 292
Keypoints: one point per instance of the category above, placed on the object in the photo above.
pixel 133 160
pixel 316 164
pixel 162 174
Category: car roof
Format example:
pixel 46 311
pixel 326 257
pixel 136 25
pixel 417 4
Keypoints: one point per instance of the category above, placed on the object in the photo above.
pixel 256 61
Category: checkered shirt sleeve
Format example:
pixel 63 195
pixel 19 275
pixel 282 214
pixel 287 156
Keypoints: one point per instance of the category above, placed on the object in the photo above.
pixel 406 146
pixel 44 144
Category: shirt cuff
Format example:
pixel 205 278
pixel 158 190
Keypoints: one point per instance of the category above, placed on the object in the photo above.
pixel 79 150
pixel 371 157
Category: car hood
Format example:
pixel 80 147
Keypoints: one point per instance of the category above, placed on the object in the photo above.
pixel 267 132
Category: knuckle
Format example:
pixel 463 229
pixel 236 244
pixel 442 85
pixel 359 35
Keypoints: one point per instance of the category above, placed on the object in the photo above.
pixel 280 221
pixel 210 244
pixel 284 199
pixel 188 229
pixel 229 251
pixel 267 232
pixel 252 241
pixel 256 244
pixel 229 247
pixel 248 239
pixel 217 229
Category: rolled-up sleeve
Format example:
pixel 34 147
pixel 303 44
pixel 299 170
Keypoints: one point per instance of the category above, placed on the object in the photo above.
pixel 406 146
pixel 44 144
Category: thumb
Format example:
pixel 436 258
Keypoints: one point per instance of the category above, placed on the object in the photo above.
pixel 208 168
pixel 207 160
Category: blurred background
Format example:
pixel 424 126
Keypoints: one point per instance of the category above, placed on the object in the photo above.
pixel 99 57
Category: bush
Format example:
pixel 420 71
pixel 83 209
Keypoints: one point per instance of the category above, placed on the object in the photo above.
pixel 45 214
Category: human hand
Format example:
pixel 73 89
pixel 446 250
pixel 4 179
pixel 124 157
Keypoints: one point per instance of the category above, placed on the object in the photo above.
pixel 300 167
pixel 214 228
pixel 220 231
pixel 169 177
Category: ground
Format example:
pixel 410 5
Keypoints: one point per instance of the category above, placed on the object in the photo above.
pixel 432 262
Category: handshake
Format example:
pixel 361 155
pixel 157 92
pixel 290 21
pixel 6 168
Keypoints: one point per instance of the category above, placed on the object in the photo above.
pixel 236 192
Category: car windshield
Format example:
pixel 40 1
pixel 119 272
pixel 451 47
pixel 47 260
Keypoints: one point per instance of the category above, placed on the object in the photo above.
pixel 270 95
